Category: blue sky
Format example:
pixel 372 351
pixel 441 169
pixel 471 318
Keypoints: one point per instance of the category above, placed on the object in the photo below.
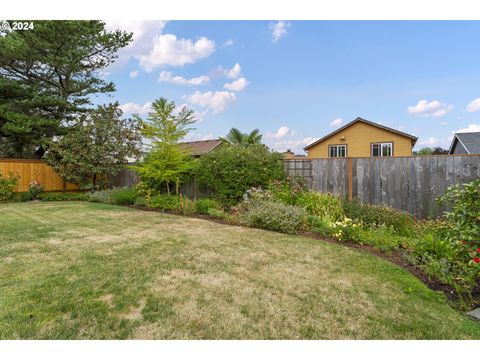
pixel 299 80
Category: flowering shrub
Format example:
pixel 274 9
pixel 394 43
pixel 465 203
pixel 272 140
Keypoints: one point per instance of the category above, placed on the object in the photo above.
pixel 346 230
pixel 35 189
pixel 7 185
pixel 464 217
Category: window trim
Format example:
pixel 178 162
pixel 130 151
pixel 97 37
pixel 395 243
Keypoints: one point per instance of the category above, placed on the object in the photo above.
pixel 340 157
pixel 391 143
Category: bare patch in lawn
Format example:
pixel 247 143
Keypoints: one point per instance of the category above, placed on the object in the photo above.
pixel 135 313
pixel 107 299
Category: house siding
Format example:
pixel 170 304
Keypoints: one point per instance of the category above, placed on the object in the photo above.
pixel 458 149
pixel 359 138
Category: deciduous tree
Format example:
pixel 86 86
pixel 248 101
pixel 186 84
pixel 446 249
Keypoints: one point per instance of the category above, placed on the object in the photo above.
pixel 101 143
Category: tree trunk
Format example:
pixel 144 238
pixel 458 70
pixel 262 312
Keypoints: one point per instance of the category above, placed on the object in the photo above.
pixel 94 181
pixel 168 188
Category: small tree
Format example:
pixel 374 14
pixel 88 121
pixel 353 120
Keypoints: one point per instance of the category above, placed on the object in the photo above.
pixel 425 151
pixel 166 164
pixel 101 143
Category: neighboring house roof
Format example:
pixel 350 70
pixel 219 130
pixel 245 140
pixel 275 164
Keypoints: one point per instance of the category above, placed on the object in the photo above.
pixel 202 147
pixel 470 141
pixel 359 119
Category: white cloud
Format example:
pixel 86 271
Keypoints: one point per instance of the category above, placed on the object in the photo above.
pixel 144 33
pixel 217 101
pixel 429 109
pixel 443 123
pixel 431 141
pixel 280 133
pixel 133 108
pixel 133 74
pixel 474 105
pixel 237 85
pixel 229 42
pixel 336 122
pixel 469 128
pixel 233 73
pixel 167 76
pixel 168 50
pixel 279 30
pixel 294 145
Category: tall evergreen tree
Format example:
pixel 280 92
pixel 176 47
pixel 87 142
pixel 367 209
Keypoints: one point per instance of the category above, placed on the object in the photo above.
pixel 47 77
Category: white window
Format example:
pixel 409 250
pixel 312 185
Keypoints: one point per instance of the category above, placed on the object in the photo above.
pixel 337 151
pixel 382 149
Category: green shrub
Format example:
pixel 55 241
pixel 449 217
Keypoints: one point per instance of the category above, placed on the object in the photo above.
pixel 231 170
pixel 20 197
pixel 7 186
pixel 319 226
pixel 274 215
pixel 165 202
pixel 202 206
pixel 464 217
pixel 141 201
pixel 383 238
pixel 376 215
pixel 61 196
pixel 326 206
pixel 186 206
pixel 217 213
pixel 101 196
pixel 123 196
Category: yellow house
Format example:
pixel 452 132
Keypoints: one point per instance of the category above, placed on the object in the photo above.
pixel 362 138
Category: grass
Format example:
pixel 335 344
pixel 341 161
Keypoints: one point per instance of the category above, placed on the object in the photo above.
pixel 82 270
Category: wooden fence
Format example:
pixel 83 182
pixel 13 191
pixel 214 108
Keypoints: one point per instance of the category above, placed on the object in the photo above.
pixel 33 170
pixel 408 183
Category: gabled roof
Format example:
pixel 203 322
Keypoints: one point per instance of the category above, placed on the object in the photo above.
pixel 359 119
pixel 470 141
pixel 201 147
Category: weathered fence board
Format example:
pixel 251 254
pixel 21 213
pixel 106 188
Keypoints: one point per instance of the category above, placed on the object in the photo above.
pixel 33 170
pixel 407 183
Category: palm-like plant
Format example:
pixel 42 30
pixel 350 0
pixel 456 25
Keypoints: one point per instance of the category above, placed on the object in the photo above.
pixel 235 137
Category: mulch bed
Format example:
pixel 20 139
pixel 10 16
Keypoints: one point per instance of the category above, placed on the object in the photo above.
pixel 396 257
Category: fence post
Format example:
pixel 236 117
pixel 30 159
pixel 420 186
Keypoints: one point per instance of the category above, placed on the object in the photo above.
pixel 350 178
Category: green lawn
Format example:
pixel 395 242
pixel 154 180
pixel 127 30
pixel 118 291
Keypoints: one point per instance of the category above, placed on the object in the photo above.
pixel 83 270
